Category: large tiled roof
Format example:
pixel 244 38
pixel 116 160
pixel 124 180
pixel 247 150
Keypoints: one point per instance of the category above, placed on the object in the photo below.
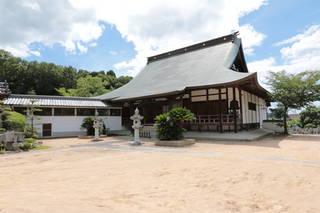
pixel 203 64
pixel 46 100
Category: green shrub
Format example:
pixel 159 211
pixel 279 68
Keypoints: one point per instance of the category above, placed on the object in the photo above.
pixel 169 125
pixel 87 124
pixel 29 143
pixel 30 132
pixel 15 121
pixel 25 146
pixel 2 149
pixel 293 123
pixel 180 113
pixel 30 140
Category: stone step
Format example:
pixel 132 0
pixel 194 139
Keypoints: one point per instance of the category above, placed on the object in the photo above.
pixel 120 132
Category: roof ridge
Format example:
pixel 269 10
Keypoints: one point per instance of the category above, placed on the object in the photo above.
pixel 209 43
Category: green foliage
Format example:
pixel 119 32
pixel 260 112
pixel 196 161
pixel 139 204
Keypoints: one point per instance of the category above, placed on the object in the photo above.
pixel 180 113
pixel 2 149
pixel 310 117
pixel 278 112
pixel 169 125
pixel 15 121
pixel 29 143
pixel 25 146
pixel 43 78
pixel 30 140
pixel 293 123
pixel 87 124
pixel 86 87
pixel 3 109
pixel 294 90
pixel 30 132
pixel 41 147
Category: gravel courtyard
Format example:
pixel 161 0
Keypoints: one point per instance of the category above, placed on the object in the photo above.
pixel 280 174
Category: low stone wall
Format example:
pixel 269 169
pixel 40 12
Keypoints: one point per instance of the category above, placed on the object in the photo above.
pixel 11 140
pixel 307 130
pixel 273 125
pixel 178 143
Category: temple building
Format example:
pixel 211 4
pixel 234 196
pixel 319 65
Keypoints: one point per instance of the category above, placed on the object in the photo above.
pixel 61 116
pixel 210 78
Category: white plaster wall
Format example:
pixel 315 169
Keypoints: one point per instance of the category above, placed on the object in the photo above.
pixel 113 122
pixel 250 116
pixel 244 107
pixel 70 125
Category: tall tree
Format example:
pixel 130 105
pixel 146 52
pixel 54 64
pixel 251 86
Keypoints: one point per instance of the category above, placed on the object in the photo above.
pixel 43 78
pixel 294 90
pixel 86 87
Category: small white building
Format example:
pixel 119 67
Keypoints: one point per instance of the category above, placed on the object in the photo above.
pixel 62 116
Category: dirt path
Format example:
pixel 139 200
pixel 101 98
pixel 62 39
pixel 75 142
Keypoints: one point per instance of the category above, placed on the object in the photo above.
pixel 91 179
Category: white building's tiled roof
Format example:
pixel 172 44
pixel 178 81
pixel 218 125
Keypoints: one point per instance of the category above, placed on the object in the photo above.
pixel 46 100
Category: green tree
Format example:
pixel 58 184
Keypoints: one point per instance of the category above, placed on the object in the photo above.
pixel 86 87
pixel 15 121
pixel 310 117
pixel 278 112
pixel 44 78
pixel 3 110
pixel 294 90
pixel 111 73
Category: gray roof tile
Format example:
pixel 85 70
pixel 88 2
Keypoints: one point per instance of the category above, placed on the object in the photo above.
pixel 174 73
pixel 46 100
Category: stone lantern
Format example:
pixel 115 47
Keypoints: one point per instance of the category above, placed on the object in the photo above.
pixel 136 126
pixel 97 125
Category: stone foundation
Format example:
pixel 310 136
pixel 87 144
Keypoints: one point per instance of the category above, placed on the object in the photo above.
pixel 178 143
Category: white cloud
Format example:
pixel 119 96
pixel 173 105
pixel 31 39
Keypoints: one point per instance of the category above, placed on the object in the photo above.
pixel 298 53
pixel 152 26
pixel 82 48
pixel 162 25
pixel 48 22
pixel 250 38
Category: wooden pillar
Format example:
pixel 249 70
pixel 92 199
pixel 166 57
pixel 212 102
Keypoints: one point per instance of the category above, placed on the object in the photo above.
pixel 181 101
pixel 240 102
pixel 227 97
pixel 220 114
pixel 234 110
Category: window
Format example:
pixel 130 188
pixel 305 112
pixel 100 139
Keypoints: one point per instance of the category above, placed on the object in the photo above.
pixel 115 112
pixel 64 111
pixel 252 106
pixel 103 112
pixel 85 112
pixel 22 110
pixel 43 111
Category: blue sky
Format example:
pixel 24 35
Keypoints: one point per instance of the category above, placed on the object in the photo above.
pixel 110 49
pixel 100 35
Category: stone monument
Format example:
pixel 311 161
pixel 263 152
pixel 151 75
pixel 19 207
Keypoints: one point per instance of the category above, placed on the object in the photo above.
pixel 97 125
pixel 136 126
